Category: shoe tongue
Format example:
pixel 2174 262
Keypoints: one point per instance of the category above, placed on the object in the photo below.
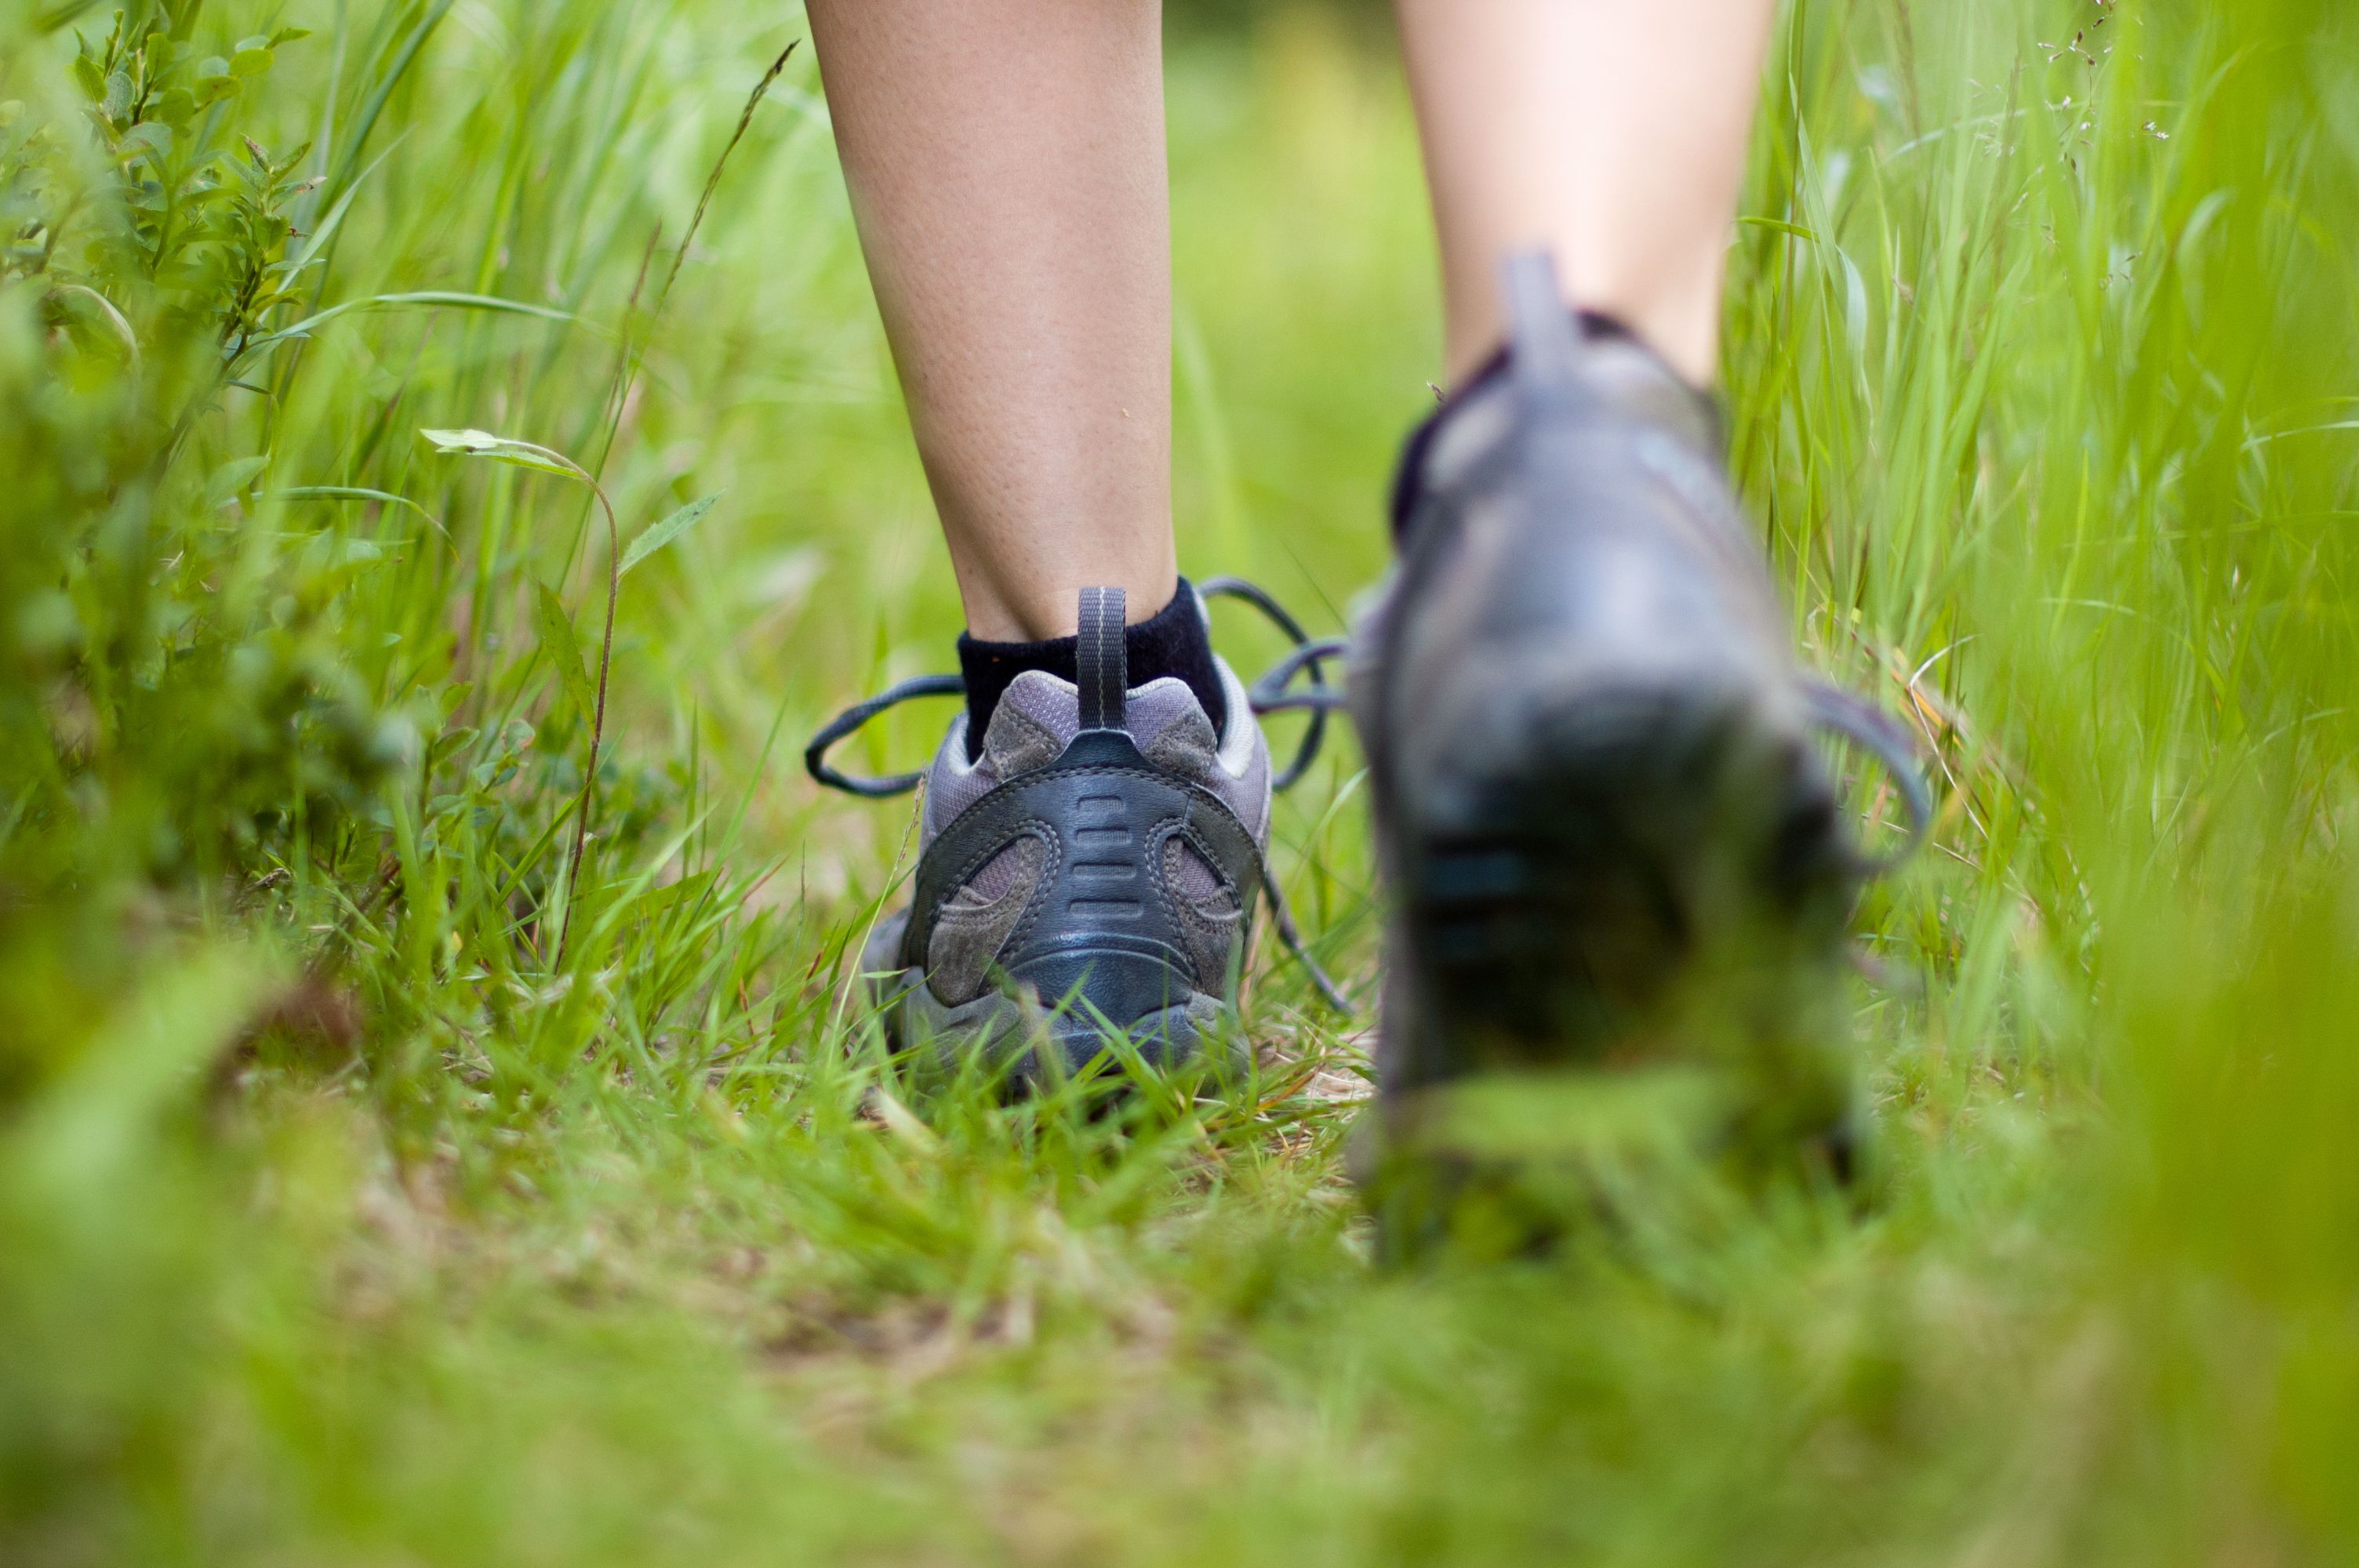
pixel 1039 716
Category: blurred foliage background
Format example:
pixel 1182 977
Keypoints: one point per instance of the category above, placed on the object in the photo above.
pixel 384 1181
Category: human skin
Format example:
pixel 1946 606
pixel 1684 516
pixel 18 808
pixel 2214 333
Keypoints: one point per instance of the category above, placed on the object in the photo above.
pixel 1610 132
pixel 1005 159
pixel 1008 174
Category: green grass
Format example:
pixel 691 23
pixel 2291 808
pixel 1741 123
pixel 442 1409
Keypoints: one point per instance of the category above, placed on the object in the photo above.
pixel 349 1215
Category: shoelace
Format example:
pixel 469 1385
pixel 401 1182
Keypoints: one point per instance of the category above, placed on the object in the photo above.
pixel 1306 654
pixel 1881 736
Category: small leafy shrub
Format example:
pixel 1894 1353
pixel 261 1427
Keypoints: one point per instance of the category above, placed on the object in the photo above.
pixel 199 714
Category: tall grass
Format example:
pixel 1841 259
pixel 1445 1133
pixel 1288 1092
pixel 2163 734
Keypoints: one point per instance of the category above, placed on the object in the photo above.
pixel 380 1181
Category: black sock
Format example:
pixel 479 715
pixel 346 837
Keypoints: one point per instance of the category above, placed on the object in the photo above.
pixel 1170 643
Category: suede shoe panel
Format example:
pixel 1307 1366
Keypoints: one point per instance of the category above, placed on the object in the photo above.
pixel 973 927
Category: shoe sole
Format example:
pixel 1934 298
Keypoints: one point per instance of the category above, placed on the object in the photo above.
pixel 1656 880
pixel 1574 885
pixel 1011 1032
pixel 1655 873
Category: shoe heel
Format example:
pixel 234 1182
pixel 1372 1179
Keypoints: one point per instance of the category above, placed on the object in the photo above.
pixel 1579 885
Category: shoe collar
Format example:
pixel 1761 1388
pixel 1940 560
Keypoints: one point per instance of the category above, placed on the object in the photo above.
pixel 1617 363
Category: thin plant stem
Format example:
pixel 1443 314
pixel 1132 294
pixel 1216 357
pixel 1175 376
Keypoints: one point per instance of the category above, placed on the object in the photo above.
pixel 598 717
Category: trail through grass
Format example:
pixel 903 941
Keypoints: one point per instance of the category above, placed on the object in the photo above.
pixel 382 1181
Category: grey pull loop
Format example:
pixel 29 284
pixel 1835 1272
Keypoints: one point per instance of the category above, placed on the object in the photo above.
pixel 1101 661
pixel 1544 343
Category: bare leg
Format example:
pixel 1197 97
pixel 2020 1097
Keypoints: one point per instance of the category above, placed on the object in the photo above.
pixel 1007 171
pixel 1612 133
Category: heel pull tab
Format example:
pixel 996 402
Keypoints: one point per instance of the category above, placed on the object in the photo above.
pixel 1101 661
pixel 1544 343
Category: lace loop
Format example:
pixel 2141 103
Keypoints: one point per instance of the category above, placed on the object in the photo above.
pixel 1305 652
pixel 1269 694
pixel 853 718
pixel 1883 738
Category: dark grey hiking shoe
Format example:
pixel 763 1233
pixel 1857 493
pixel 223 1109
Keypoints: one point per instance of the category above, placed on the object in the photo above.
pixel 1608 838
pixel 1095 869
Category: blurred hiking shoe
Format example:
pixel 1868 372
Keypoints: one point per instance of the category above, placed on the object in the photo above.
pixel 1609 839
pixel 1092 870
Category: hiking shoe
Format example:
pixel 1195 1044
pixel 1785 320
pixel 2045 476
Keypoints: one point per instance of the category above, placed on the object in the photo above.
pixel 1094 871
pixel 1608 838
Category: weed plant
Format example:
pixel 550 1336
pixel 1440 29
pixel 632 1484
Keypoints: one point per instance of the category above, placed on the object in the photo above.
pixel 449 463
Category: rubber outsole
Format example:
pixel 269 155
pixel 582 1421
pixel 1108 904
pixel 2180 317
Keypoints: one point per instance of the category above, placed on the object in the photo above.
pixel 1010 1031
pixel 1656 882
pixel 1576 885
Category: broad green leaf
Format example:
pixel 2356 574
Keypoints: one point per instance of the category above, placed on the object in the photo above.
pixel 449 743
pixel 462 442
pixel 154 137
pixel 105 307
pixel 562 648
pixel 226 481
pixel 527 459
pixel 665 531
pixel 501 450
